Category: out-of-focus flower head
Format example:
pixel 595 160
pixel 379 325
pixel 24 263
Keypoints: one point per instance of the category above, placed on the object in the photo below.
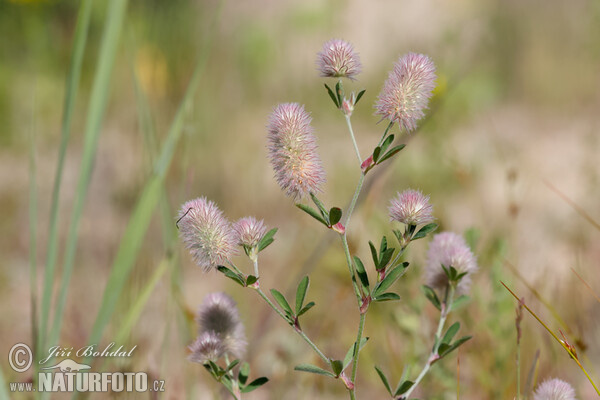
pixel 207 347
pixel 411 207
pixel 450 250
pixel 407 90
pixel 249 231
pixel 293 151
pixel 338 59
pixel 554 389
pixel 218 314
pixel 206 233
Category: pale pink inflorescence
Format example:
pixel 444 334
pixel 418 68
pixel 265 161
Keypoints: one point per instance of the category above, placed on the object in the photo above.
pixel 407 90
pixel 249 231
pixel 338 59
pixel 554 389
pixel 206 233
pixel 293 151
pixel 207 347
pixel 218 314
pixel 411 207
pixel 450 250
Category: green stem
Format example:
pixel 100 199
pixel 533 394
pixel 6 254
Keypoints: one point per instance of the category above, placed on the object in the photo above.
pixel 361 328
pixel 385 132
pixel 351 269
pixel 349 123
pixel 300 332
pixel 446 308
pixel 359 186
pixel 255 261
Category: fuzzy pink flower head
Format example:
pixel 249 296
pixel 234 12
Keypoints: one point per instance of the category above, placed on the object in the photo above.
pixel 407 90
pixel 554 389
pixel 249 231
pixel 450 250
pixel 207 347
pixel 218 314
pixel 338 59
pixel 293 151
pixel 206 233
pixel 411 207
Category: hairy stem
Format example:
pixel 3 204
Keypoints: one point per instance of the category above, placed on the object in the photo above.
pixel 361 328
pixel 446 308
pixel 349 123
pixel 357 191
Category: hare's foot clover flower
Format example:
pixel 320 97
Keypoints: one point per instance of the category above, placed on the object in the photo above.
pixel 293 151
pixel 407 90
pixel 249 231
pixel 206 233
pixel 207 347
pixel 338 59
pixel 219 315
pixel 554 389
pixel 448 249
pixel 411 207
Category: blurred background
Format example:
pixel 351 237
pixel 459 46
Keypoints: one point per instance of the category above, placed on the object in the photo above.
pixel 508 153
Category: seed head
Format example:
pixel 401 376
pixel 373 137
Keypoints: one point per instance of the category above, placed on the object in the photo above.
pixel 293 151
pixel 450 250
pixel 411 207
pixel 407 90
pixel 207 347
pixel 206 233
pixel 338 59
pixel 218 314
pixel 554 389
pixel 249 231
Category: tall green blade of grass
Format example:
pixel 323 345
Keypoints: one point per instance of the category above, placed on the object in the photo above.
pixel 138 224
pixel 96 108
pixel 33 202
pixel 72 83
pixel 3 392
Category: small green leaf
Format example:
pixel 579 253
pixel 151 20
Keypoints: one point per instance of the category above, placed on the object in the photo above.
pixel 307 307
pixel 374 254
pixel 250 280
pixel 336 366
pixel 451 332
pixel 398 235
pixel 389 280
pixel 267 239
pixel 226 381
pixel 385 257
pixel 391 153
pixel 313 369
pixel 425 230
pixel 384 245
pixel 362 274
pixel 232 365
pixel 231 275
pixel 312 212
pixel 460 301
pixel 403 387
pixel 332 96
pixel 384 379
pixel 254 384
pixel 386 143
pixel 301 293
pixel 282 301
pixel 338 91
pixel 387 297
pixel 454 346
pixel 358 96
pixel 321 207
pixel 244 372
pixel 335 215
pixel 350 353
pixel 432 296
pixel 376 153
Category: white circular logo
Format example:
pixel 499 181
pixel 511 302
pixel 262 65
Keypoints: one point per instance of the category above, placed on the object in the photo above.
pixel 20 357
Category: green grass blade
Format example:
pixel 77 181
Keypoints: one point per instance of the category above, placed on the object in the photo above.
pixel 81 31
pixel 144 209
pixel 95 115
pixel 3 392
pixel 33 205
